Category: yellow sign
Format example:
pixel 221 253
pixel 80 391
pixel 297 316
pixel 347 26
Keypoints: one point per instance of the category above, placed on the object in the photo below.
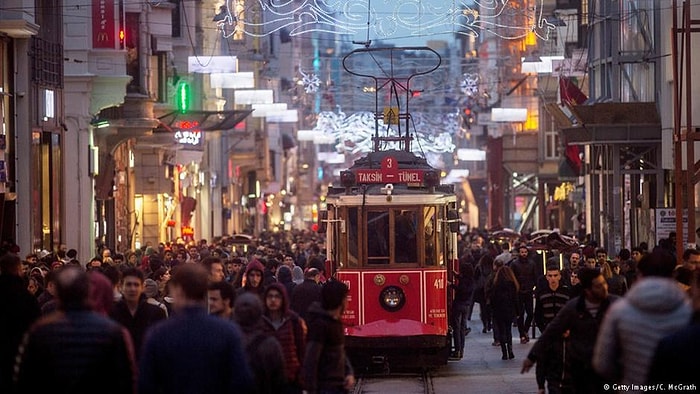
pixel 391 115
pixel 561 192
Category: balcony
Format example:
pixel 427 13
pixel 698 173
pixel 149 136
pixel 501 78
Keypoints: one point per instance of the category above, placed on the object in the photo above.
pixel 15 21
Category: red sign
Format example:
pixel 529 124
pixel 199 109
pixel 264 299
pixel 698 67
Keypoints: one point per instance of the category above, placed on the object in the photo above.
pixel 436 300
pixel 351 315
pixel 389 173
pixel 103 24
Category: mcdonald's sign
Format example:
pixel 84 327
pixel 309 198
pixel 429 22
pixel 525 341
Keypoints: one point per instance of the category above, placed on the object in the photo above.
pixel 103 31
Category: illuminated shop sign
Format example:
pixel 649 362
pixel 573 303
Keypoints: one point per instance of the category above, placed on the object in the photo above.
pixel 187 133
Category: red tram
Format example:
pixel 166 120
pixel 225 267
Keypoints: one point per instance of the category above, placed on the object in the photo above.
pixel 392 239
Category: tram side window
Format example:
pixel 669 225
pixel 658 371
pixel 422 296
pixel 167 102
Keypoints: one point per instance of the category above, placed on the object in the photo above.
pixel 429 234
pixel 352 229
pixel 377 237
pixel 405 233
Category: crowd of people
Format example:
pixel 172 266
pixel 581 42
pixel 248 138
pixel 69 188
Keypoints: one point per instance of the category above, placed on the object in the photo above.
pixel 622 322
pixel 177 318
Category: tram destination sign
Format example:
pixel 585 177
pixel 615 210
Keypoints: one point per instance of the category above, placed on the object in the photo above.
pixel 389 173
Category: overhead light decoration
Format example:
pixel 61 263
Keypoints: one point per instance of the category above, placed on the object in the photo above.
pixel 311 82
pixel 348 17
pixel 470 84
pixel 353 133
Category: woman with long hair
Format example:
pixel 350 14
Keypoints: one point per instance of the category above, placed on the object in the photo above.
pixel 504 301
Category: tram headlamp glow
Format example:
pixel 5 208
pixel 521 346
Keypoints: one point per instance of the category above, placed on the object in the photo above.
pixel 431 178
pixel 392 298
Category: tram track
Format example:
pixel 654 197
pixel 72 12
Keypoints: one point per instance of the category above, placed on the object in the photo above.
pixel 407 383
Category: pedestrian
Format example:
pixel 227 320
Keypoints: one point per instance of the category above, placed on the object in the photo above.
pixel 297 275
pixel 550 298
pixel 237 272
pixel 215 266
pixel 253 280
pixel 675 359
pixel 326 368
pixel 617 284
pixel 306 293
pixel 633 327
pixel 526 273
pixel 580 319
pixel 504 301
pixel 463 293
pixel 193 352
pixel 221 298
pixel 19 309
pixel 289 330
pixel 133 311
pixel 262 350
pixel 482 272
pixel 150 290
pixel 573 266
pixel 75 349
pixel 284 276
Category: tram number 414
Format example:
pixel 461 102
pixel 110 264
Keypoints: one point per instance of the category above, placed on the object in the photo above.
pixel 439 283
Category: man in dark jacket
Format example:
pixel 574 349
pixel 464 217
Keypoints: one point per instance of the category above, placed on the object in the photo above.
pixel 18 310
pixel 550 298
pixel 526 274
pixel 308 292
pixel 581 318
pixel 463 291
pixel 326 367
pixel 193 352
pixel 75 350
pixel 133 311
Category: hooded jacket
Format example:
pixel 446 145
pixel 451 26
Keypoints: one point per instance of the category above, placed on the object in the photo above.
pixel 291 334
pixel 653 308
pixel 254 265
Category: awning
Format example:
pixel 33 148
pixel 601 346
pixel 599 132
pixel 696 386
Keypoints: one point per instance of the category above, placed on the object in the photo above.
pixel 609 123
pixel 203 120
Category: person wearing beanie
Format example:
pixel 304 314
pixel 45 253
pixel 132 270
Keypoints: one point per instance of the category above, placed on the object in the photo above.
pixel 297 275
pixel 150 289
pixel 326 366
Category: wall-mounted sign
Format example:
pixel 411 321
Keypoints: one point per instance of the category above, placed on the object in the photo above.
pixel 187 133
pixel 103 24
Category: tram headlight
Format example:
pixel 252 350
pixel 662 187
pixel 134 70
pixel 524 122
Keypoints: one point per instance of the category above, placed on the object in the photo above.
pixel 392 298
pixel 347 178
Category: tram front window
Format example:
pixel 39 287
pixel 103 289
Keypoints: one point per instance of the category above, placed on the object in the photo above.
pixel 378 237
pixel 405 242
pixel 429 234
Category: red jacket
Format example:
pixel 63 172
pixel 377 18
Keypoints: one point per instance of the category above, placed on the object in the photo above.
pixel 291 335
